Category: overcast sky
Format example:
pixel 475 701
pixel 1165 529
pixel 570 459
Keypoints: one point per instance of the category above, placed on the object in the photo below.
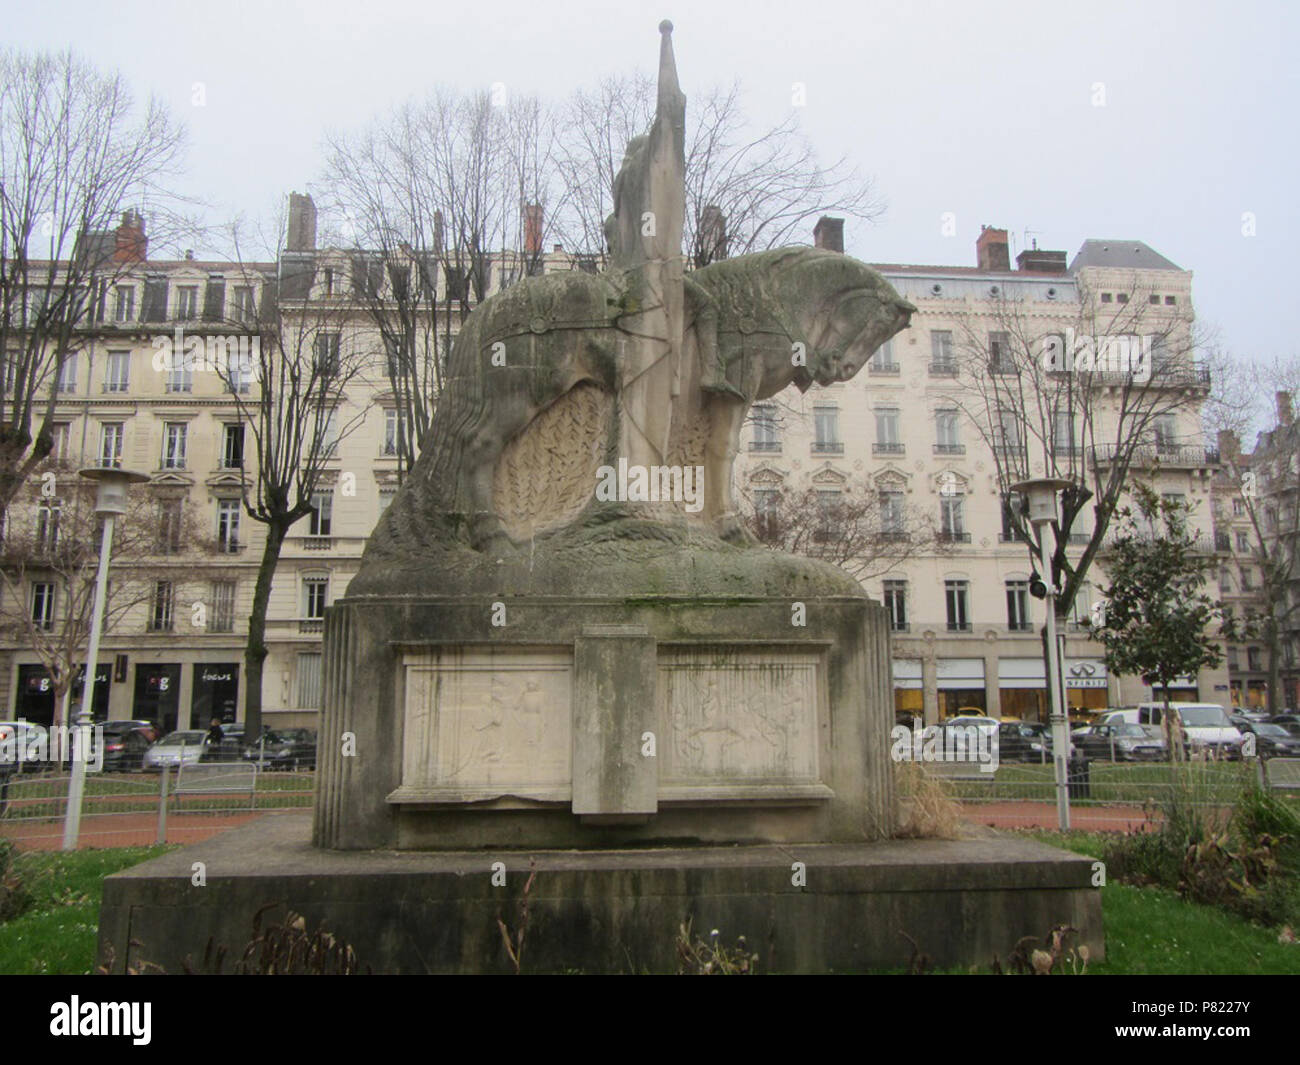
pixel 984 109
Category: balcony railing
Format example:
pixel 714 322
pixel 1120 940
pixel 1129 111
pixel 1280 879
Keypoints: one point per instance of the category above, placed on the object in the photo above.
pixel 884 367
pixel 827 447
pixel 887 449
pixel 310 625
pixel 943 369
pixel 950 449
pixel 315 542
pixel 946 537
pixel 770 446
pixel 1170 456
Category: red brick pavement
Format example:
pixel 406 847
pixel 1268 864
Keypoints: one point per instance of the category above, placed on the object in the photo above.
pixel 122 830
pixel 1043 815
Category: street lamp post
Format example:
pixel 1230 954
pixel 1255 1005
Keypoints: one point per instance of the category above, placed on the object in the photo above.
pixel 110 501
pixel 1041 494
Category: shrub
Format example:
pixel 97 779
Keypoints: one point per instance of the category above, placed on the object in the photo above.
pixel 14 896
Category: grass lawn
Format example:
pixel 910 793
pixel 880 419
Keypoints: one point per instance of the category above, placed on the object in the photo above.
pixel 1148 930
pixel 58 933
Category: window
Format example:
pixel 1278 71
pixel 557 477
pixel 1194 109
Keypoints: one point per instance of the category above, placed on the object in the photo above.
pixel 61 432
pixel 826 420
pixel 124 303
pixel 322 513
pixel 386 498
pixel 329 440
pixel 1253 659
pixel 329 280
pixel 326 351
pixel 1170 301
pixel 153 307
pixel 187 303
pixel 891 515
pixel 1000 358
pixel 1063 431
pixel 43 606
pixel 1081 608
pixel 828 503
pixel 1166 432
pixel 170 513
pixel 947 441
pixel 896 605
pixel 118 374
pixel 1247 581
pixel 245 309
pixel 882 360
pixel 1238 508
pixel 309 680
pixel 766 509
pixel 314 593
pixel 392 430
pixel 214 299
pixel 110 445
pixel 1008 430
pixel 222 618
pixel 1233 663
pixel 952 519
pixel 1106 297
pixel 47 525
pixel 180 376
pixel 955 594
pixel 239 373
pixel 160 614
pixel 232 447
pixel 941 357
pixel 1010 532
pixel 1018 606
pixel 228 525
pixel 67 379
pixel 1121 297
pixel 888 441
pixel 766 437
pixel 1243 542
pixel 1153 299
pixel 174 435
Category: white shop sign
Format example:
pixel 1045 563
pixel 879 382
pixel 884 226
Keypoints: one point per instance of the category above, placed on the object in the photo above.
pixel 907 673
pixel 957 673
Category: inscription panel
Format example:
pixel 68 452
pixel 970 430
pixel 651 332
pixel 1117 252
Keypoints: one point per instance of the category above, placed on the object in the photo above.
pixel 738 716
pixel 487 722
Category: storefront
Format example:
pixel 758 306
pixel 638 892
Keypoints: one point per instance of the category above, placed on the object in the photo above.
pixel 961 684
pixel 157 695
pixel 214 693
pixel 909 698
pixel 1181 690
pixel 1022 688
pixel 1086 685
pixel 35 698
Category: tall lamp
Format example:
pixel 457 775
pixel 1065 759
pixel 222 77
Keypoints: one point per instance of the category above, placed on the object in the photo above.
pixel 110 501
pixel 1041 493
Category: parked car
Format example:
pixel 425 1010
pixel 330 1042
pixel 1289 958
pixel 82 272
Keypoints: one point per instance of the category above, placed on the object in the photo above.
pixel 1023 741
pixel 125 743
pixel 289 748
pixel 1206 726
pixel 1271 741
pixel 1123 742
pixel 185 746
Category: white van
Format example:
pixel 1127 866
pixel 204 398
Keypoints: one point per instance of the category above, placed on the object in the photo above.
pixel 1205 725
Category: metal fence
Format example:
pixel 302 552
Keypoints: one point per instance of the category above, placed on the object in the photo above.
pixel 131 809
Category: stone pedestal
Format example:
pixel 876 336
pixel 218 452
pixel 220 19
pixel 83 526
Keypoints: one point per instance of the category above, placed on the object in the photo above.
pixel 673 712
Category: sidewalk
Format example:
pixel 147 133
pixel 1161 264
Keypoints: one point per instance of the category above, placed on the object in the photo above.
pixel 123 830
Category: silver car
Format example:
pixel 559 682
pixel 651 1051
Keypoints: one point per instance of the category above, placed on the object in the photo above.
pixel 176 747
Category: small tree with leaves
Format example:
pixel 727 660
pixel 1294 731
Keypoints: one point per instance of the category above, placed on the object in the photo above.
pixel 1157 621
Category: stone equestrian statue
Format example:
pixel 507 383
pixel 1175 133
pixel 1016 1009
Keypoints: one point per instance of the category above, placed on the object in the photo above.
pixel 561 374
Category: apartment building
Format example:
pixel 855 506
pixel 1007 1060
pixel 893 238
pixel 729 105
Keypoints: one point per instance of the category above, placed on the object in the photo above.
pixel 966 631
pixel 965 628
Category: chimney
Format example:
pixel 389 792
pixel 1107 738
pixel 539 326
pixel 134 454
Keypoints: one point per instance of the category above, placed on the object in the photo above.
pixel 1229 445
pixel 1284 413
pixel 991 250
pixel 828 233
pixel 713 233
pixel 1042 262
pixel 302 223
pixel 131 245
pixel 532 229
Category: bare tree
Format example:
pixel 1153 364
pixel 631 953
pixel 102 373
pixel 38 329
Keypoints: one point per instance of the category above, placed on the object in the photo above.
pixel 436 196
pixel 747 188
pixel 290 393
pixel 856 526
pixel 48 564
pixel 73 154
pixel 1085 403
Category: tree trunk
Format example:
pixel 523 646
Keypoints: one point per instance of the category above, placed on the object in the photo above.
pixel 1274 664
pixel 255 651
